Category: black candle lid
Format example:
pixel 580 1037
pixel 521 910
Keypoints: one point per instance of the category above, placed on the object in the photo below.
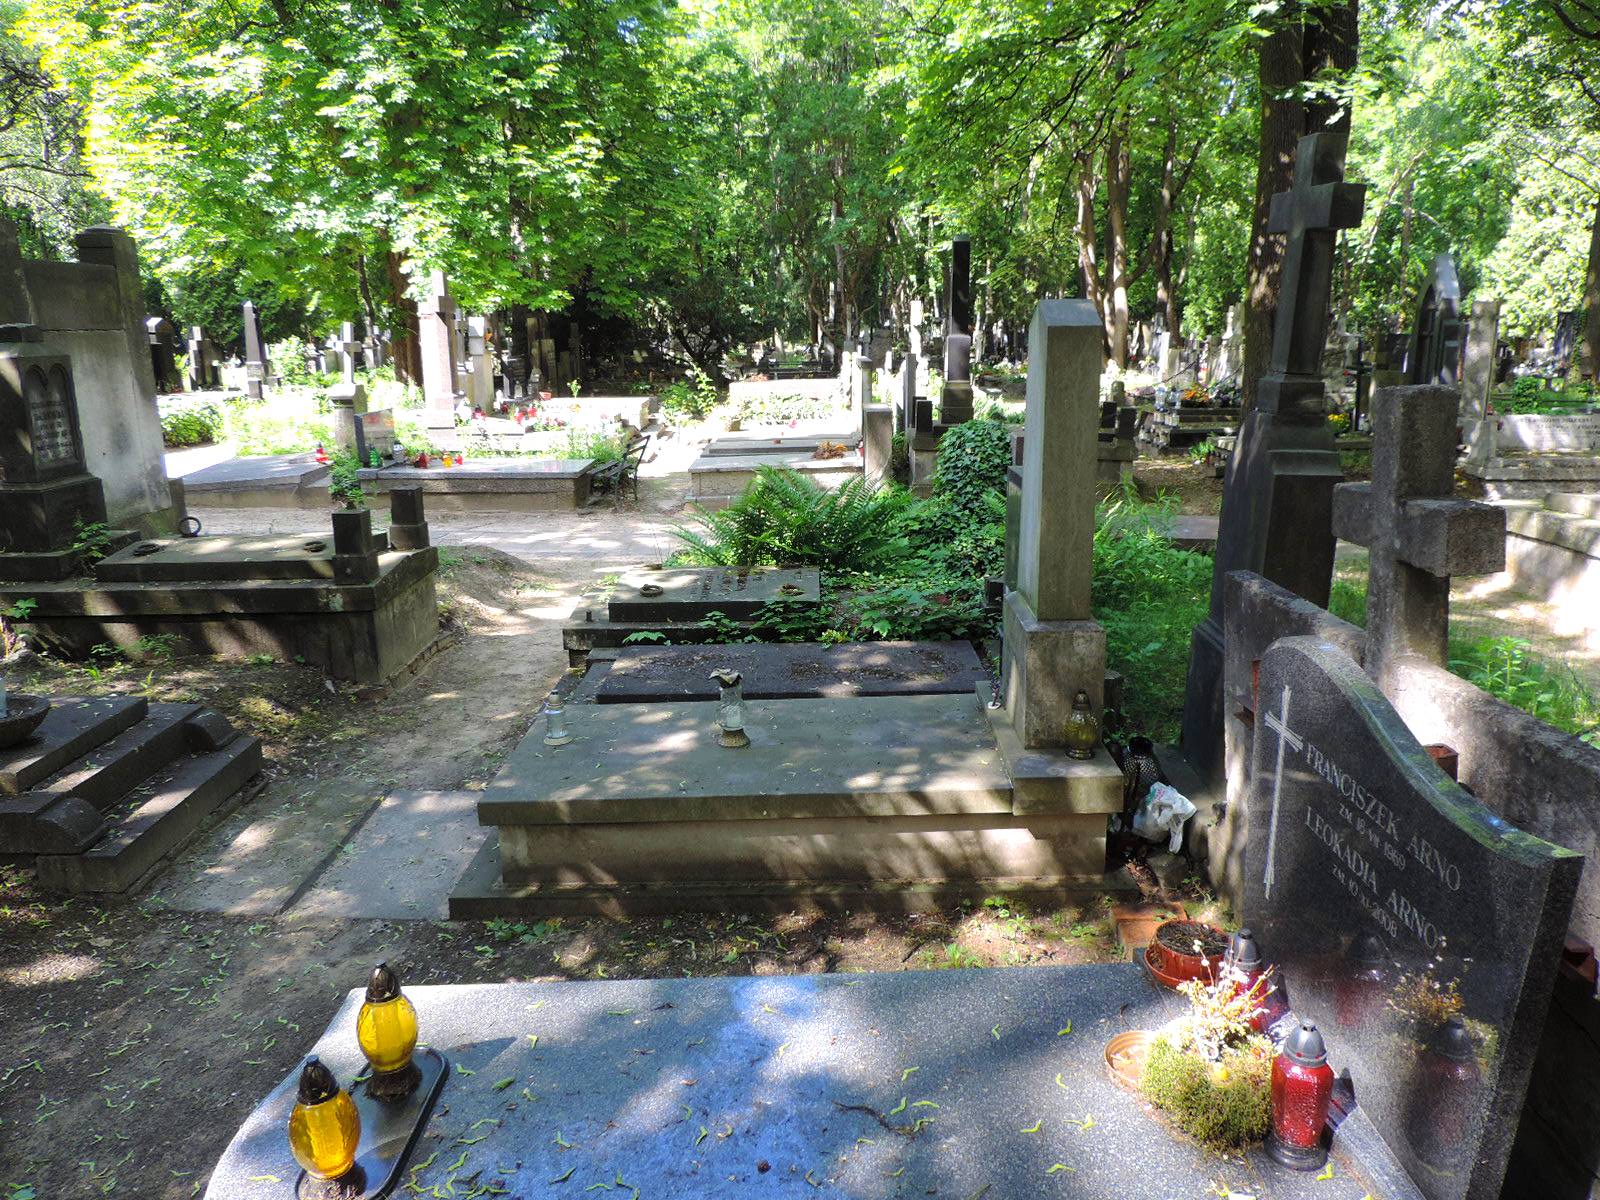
pixel 317 1083
pixel 1304 1046
pixel 384 984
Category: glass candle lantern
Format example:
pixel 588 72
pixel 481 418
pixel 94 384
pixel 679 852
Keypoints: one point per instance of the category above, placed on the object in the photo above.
pixel 386 1028
pixel 1083 730
pixel 730 713
pixel 324 1127
pixel 1302 1087
pixel 555 722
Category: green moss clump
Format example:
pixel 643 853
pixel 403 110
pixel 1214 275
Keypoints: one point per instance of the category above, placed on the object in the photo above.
pixel 1225 1105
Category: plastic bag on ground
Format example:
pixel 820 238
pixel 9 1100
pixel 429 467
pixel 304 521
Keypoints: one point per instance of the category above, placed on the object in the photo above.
pixel 1161 814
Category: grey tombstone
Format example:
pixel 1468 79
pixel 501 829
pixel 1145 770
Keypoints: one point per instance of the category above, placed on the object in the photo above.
pixel 1417 534
pixel 255 353
pixel 1434 355
pixel 203 370
pixel 955 406
pixel 1477 380
pixel 436 338
pixel 349 397
pixel 163 353
pixel 1053 647
pixel 1417 929
pixel 480 364
pixel 1278 498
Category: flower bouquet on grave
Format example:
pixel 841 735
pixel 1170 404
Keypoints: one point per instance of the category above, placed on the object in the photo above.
pixel 1209 1070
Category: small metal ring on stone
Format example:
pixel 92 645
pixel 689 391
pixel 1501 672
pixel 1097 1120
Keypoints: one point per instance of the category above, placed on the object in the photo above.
pixel 189 527
pixel 314 547
pixel 144 548
pixel 651 589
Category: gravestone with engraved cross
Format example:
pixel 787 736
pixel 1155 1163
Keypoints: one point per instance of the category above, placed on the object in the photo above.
pixel 1418 536
pixel 1417 929
pixel 45 491
pixel 1434 353
pixel 1278 499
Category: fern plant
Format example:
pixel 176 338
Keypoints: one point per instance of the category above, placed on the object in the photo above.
pixel 785 519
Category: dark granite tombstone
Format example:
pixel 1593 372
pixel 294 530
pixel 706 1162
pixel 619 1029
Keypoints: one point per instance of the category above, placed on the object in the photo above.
pixel 955 404
pixel 1565 341
pixel 1278 499
pixel 255 352
pixel 1417 929
pixel 203 372
pixel 44 489
pixel 1434 355
pixel 162 339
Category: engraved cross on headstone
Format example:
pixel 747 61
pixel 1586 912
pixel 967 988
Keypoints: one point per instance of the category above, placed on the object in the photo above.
pixel 1311 213
pixel 1417 535
pixel 1287 739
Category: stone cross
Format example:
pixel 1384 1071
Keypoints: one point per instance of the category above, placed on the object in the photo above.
pixel 1288 739
pixel 436 337
pixel 255 358
pixel 1311 213
pixel 1434 355
pixel 1477 379
pixel 348 345
pixel 1417 535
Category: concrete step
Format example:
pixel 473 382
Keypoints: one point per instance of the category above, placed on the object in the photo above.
pixel 113 769
pixel 73 727
pixel 154 821
pixel 1582 504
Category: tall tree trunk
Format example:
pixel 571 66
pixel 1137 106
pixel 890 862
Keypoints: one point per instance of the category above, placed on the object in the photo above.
pixel 1118 170
pixel 404 346
pixel 1589 363
pixel 1282 122
pixel 1330 42
pixel 1161 236
pixel 1088 249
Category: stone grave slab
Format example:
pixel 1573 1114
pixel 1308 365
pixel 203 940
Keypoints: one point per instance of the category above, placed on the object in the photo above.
pixel 275 480
pixel 793 671
pixel 1395 903
pixel 913 1083
pixel 73 726
pixel 720 477
pixel 220 558
pixel 517 484
pixel 692 593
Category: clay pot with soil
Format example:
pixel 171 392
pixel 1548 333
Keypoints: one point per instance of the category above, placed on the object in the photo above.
pixel 1183 950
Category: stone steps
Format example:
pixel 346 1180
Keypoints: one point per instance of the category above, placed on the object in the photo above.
pixel 1553 551
pixel 108 789
pixel 167 809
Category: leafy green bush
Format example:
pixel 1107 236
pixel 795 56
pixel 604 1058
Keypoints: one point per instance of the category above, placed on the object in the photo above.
pixel 591 443
pixel 973 459
pixel 1532 395
pixel 344 484
pixel 780 409
pixel 278 426
pixel 690 398
pixel 785 519
pixel 189 422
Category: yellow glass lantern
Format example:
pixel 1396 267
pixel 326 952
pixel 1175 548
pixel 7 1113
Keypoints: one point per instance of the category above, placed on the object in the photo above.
pixel 386 1027
pixel 324 1128
pixel 1082 731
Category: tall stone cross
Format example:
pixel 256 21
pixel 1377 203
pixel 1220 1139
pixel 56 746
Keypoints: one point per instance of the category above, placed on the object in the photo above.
pixel 1417 535
pixel 1434 354
pixel 1277 504
pixel 1311 213
pixel 436 338
pixel 348 345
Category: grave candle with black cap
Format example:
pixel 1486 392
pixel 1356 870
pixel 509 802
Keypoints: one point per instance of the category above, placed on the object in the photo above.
pixel 1302 1087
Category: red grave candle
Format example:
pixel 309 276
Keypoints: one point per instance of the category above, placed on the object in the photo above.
pixel 1302 1086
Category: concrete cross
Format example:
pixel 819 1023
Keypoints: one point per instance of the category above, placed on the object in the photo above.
pixel 348 345
pixel 1279 724
pixel 1417 534
pixel 1311 212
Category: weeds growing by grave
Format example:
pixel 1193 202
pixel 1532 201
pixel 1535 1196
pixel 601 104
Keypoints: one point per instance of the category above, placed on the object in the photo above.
pixel 186 421
pixel 91 540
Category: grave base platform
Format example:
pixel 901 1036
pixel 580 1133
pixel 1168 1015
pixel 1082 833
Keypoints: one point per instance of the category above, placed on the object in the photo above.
pixel 1531 476
pixel 52 566
pixel 107 790
pixel 958 1084
pixel 269 481
pixel 364 632
pixel 491 484
pixel 716 480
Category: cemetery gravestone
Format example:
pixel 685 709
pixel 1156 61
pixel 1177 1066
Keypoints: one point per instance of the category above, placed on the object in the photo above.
pixel 1417 929
pixel 436 335
pixel 255 353
pixel 955 404
pixel 1434 355
pixel 163 353
pixel 1477 380
pixel 1278 499
pixel 204 374
pixel 349 397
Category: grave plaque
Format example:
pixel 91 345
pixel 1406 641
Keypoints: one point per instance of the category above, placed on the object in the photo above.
pixel 1417 929
pixel 50 413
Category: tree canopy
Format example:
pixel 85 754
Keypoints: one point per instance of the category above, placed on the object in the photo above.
pixel 716 172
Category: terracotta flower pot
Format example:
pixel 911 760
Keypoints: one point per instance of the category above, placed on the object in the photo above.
pixel 1126 1055
pixel 1174 958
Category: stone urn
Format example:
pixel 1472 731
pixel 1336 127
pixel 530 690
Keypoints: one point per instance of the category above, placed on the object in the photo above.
pixel 23 715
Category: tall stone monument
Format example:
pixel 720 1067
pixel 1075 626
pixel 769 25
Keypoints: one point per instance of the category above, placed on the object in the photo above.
pixel 1434 353
pixel 349 397
pixel 255 353
pixel 955 406
pixel 1278 500
pixel 1477 380
pixel 437 339
pixel 1053 646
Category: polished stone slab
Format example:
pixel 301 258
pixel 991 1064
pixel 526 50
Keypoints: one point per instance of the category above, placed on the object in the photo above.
pixel 692 593
pixel 866 756
pixel 952 1084
pixel 1394 902
pixel 788 671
